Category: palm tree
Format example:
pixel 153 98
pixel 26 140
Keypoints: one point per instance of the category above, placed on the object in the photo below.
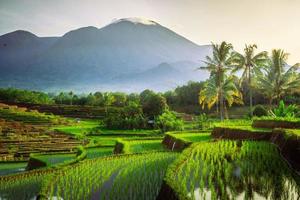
pixel 250 63
pixel 108 99
pixel 71 94
pixel 211 92
pixel 61 96
pixel 279 78
pixel 222 61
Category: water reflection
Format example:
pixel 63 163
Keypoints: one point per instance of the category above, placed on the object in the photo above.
pixel 239 173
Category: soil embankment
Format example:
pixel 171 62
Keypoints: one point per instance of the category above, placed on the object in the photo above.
pixel 174 143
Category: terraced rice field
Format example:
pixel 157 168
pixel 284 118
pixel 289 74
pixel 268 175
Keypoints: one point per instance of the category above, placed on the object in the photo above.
pixel 7 168
pixel 233 170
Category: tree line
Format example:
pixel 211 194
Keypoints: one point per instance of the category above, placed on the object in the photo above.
pixel 270 75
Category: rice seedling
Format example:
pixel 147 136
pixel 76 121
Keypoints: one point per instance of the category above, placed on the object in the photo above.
pixel 232 170
pixel 117 177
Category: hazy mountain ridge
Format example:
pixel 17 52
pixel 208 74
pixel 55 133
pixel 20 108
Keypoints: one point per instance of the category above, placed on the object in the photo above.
pixel 122 53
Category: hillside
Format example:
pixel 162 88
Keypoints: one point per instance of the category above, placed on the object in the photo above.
pixel 110 58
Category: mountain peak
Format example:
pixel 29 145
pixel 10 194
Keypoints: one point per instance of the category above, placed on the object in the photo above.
pixel 135 20
pixel 20 33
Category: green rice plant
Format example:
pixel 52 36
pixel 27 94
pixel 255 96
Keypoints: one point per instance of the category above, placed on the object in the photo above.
pixel 12 167
pixel 53 159
pixel 139 146
pixel 117 177
pixel 232 170
pixel 25 185
pixel 192 136
pixel 96 152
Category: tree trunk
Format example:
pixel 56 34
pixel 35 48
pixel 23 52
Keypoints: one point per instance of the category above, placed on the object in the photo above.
pixel 250 94
pixel 226 111
pixel 221 106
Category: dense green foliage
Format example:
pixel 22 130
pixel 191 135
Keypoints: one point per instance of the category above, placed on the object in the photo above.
pixel 289 111
pixel 229 169
pixel 129 117
pixel 168 121
pixel 14 113
pixel 259 111
pixel 276 79
pixel 24 96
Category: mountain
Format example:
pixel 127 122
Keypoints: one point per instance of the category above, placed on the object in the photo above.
pixel 129 54
pixel 18 48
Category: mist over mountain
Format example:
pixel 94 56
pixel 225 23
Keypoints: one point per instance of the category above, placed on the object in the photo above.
pixel 126 55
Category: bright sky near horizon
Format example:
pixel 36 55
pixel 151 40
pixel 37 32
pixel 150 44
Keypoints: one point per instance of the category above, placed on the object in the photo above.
pixel 268 23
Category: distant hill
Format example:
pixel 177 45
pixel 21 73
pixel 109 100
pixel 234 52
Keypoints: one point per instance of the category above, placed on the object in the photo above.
pixel 128 54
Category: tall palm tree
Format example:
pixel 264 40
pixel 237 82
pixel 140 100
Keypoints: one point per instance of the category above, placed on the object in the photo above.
pixel 71 94
pixel 108 99
pixel 251 64
pixel 279 78
pixel 211 92
pixel 222 61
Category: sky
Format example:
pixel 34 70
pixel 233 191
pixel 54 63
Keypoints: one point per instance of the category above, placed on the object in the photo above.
pixel 267 23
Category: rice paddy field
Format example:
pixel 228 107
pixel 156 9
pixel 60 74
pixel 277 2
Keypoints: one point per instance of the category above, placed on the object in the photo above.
pixel 74 159
pixel 7 168
pixel 233 170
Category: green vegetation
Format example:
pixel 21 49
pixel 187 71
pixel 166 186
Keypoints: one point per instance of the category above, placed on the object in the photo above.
pixel 120 146
pixel 260 111
pixel 289 111
pixel 193 137
pixel 168 121
pixel 139 145
pixel 24 96
pixel 276 81
pixel 14 113
pixel 279 119
pixel 227 169
pixel 26 186
pixel 53 159
pixel 129 117
pixel 12 167
pixel 96 152
pixel 80 128
pixel 130 177
pixel 251 64
pixel 220 88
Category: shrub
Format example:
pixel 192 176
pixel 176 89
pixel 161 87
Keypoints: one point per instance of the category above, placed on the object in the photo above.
pixel 284 111
pixel 202 121
pixel 297 114
pixel 153 104
pixel 260 111
pixel 168 121
pixel 129 117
